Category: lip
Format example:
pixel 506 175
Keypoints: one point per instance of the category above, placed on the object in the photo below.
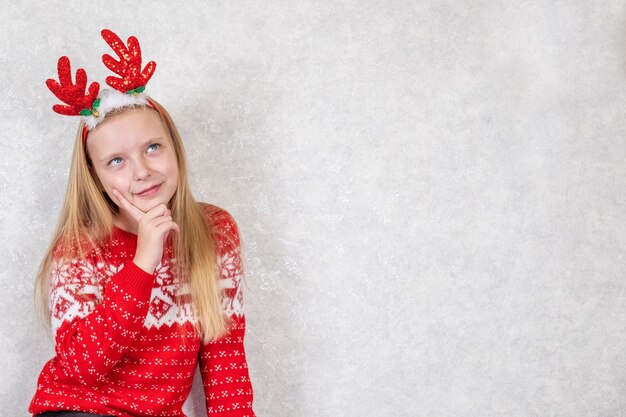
pixel 149 191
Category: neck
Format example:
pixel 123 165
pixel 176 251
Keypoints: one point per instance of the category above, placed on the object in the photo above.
pixel 125 222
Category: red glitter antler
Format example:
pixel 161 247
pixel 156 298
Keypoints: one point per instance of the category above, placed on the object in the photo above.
pixel 131 78
pixel 77 102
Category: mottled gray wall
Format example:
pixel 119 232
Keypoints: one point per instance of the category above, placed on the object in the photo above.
pixel 430 193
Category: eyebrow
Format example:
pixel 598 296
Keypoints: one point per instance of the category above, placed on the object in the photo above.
pixel 147 142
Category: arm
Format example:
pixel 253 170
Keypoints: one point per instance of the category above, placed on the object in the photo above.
pixel 91 337
pixel 223 365
pixel 95 323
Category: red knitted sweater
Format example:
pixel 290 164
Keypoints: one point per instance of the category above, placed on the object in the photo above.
pixel 125 347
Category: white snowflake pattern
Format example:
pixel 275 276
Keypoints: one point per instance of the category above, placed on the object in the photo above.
pixel 170 301
pixel 77 287
pixel 231 274
pixel 75 290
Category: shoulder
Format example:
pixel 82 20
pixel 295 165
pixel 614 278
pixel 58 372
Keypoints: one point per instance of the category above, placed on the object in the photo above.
pixel 79 246
pixel 219 217
pixel 222 224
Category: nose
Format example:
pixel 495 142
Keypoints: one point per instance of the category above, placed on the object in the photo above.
pixel 142 171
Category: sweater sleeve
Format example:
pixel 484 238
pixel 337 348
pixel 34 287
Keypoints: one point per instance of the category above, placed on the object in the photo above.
pixel 223 365
pixel 97 311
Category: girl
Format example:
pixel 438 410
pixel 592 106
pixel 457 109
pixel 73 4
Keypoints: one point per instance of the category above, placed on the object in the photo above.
pixel 141 283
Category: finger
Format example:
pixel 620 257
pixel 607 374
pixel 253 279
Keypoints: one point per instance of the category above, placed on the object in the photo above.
pixel 164 221
pixel 160 221
pixel 157 211
pixel 164 228
pixel 173 229
pixel 127 205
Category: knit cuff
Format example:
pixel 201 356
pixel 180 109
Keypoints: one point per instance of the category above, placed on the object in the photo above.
pixel 136 280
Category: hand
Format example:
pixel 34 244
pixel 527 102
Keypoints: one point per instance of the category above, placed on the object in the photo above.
pixel 153 227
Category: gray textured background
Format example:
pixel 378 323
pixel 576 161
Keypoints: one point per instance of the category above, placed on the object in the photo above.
pixel 430 193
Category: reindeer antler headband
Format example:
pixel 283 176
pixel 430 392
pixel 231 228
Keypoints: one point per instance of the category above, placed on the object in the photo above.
pixel 127 88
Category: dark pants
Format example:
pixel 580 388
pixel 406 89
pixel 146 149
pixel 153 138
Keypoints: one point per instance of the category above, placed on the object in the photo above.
pixel 68 414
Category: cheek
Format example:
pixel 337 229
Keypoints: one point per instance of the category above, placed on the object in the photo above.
pixel 99 179
pixel 114 181
pixel 175 176
pixel 174 173
pixel 173 170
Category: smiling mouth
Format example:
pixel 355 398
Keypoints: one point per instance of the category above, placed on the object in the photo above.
pixel 149 191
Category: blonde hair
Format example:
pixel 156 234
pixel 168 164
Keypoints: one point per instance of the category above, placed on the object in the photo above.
pixel 87 219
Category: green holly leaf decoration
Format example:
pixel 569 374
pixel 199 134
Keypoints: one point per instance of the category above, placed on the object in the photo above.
pixel 136 90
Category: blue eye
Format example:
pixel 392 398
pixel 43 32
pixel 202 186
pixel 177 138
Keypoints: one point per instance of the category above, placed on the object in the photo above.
pixel 112 161
pixel 154 144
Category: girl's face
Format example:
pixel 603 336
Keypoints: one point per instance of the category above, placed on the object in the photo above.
pixel 133 153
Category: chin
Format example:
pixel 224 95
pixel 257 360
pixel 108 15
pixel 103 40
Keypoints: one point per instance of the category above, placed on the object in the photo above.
pixel 147 205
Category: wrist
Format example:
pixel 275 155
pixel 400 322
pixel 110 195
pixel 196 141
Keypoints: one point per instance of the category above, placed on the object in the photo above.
pixel 147 267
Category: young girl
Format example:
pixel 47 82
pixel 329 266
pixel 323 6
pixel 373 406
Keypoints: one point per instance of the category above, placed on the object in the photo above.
pixel 141 283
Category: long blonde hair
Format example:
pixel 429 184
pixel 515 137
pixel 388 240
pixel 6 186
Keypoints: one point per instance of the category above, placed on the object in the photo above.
pixel 87 219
